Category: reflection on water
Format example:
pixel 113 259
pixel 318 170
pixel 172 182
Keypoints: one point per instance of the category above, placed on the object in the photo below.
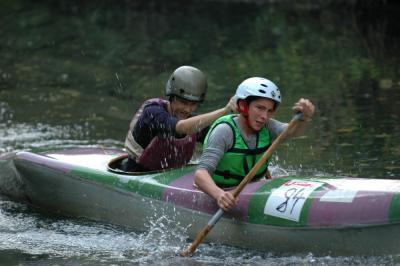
pixel 72 73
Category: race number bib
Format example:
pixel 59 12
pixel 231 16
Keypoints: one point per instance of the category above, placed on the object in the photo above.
pixel 287 201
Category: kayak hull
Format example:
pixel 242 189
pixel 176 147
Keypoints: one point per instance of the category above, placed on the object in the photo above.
pixel 77 188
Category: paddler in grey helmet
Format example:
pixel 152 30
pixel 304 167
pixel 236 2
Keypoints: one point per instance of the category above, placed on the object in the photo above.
pixel 236 142
pixel 163 133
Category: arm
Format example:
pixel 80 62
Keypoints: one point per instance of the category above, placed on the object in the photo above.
pixel 225 199
pixel 307 108
pixel 219 141
pixel 196 123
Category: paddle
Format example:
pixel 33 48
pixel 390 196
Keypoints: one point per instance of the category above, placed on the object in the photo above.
pixel 204 232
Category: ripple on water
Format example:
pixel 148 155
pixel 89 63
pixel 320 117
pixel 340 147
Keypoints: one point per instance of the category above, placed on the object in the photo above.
pixel 24 136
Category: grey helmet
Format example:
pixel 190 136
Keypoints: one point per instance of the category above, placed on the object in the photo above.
pixel 188 83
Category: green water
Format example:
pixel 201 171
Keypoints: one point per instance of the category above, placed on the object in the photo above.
pixel 84 68
pixel 72 73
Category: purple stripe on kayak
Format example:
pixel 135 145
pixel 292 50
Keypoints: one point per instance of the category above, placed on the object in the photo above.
pixel 183 193
pixel 244 198
pixel 44 160
pixel 366 208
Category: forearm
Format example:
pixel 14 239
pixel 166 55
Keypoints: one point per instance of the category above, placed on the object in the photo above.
pixel 205 183
pixel 196 123
pixel 298 130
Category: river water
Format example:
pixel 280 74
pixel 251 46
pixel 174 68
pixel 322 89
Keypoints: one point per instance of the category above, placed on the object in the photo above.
pixel 72 74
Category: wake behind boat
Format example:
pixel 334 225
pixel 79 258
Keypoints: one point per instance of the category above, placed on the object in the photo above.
pixel 330 215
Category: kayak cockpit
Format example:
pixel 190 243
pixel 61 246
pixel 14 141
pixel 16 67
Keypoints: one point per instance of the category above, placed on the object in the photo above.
pixel 115 166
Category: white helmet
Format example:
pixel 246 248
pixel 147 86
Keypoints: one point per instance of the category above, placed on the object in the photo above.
pixel 259 87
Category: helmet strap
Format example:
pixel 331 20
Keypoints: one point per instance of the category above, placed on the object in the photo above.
pixel 243 109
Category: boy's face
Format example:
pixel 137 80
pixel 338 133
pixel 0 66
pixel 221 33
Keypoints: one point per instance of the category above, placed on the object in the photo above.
pixel 260 110
pixel 182 108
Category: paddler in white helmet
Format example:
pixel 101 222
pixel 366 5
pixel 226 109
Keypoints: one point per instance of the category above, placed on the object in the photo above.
pixel 234 142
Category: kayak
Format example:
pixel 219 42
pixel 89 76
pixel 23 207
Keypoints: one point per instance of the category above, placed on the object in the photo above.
pixel 321 215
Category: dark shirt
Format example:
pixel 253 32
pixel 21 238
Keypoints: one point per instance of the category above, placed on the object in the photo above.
pixel 156 121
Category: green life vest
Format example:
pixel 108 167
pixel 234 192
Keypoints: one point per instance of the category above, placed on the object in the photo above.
pixel 240 159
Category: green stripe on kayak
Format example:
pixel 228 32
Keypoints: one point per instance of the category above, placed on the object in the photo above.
pixel 394 210
pixel 151 185
pixel 259 200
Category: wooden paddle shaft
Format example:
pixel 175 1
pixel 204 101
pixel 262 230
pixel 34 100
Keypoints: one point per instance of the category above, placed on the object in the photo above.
pixel 204 232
